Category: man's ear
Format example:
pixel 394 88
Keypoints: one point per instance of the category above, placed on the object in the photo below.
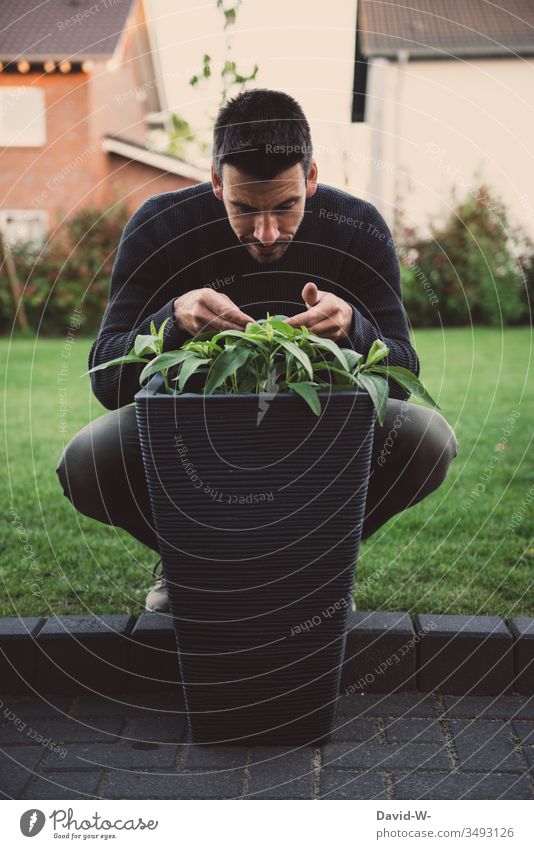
pixel 216 182
pixel 311 182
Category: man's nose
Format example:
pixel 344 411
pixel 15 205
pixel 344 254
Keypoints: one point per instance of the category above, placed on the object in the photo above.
pixel 266 229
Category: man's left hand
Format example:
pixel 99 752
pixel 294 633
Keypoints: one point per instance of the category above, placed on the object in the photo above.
pixel 326 315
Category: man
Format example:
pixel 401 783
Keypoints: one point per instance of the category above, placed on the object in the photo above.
pixel 262 237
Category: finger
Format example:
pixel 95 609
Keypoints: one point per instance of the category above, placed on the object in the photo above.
pixel 213 321
pixel 309 318
pixel 310 294
pixel 221 304
pixel 330 329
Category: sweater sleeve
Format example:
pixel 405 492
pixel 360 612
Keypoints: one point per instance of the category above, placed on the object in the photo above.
pixel 375 296
pixel 138 280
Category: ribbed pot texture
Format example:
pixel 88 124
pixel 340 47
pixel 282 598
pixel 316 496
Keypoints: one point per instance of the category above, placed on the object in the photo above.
pixel 258 505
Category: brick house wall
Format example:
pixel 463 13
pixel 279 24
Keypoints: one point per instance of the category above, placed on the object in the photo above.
pixel 71 169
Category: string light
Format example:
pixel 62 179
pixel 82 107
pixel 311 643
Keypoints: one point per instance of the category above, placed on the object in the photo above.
pixel 87 66
pixel 49 66
pixel 23 67
pixel 65 67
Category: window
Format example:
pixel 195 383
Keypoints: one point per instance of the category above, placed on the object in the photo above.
pixel 24 225
pixel 22 116
pixel 359 88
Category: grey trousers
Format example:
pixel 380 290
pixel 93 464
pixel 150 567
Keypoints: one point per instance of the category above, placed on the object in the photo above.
pixel 102 474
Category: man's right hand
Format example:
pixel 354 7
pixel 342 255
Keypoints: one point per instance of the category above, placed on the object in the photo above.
pixel 203 309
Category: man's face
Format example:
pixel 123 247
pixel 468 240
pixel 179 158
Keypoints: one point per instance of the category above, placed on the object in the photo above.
pixel 265 215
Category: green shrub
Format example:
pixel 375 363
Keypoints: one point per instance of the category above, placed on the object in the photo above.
pixel 471 269
pixel 71 272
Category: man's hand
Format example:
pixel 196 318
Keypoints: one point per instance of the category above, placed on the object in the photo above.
pixel 203 309
pixel 327 315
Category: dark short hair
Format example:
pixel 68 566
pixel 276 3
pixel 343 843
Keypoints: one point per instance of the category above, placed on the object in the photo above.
pixel 262 132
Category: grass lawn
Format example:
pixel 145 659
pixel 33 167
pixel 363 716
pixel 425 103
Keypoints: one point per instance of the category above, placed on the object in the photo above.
pixel 462 550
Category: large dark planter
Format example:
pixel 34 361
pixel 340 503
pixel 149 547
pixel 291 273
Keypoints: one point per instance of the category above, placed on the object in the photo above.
pixel 258 505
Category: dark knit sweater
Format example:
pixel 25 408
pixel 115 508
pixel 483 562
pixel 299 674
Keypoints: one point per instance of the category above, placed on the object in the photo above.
pixel 182 240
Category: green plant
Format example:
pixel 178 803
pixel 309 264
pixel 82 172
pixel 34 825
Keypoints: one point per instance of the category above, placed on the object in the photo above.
pixel 470 270
pixel 270 354
pixel 71 272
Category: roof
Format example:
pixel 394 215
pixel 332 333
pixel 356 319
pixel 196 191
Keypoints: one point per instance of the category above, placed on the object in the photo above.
pixel 446 29
pixel 160 161
pixel 61 29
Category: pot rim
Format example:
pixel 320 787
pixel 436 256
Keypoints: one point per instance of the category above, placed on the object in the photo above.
pixel 151 390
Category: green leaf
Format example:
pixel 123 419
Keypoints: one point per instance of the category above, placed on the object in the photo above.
pixel 188 368
pixel 348 377
pixel 147 345
pixel 162 327
pixel 153 330
pixel 330 345
pixel 353 358
pixel 408 381
pixel 298 354
pixel 164 362
pixel 308 392
pixel 119 361
pixel 378 389
pixel 377 352
pixel 226 364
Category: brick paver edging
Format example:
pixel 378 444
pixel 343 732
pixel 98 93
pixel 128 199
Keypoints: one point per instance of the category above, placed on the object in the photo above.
pixel 385 652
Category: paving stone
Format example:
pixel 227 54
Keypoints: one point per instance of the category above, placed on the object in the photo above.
pixel 350 785
pixel 215 757
pixel 83 653
pixel 161 729
pixel 279 772
pixel 59 731
pixel 353 729
pixel 484 746
pixel 274 783
pixel 380 652
pixel 153 652
pixel 294 761
pixel 401 704
pixel 385 756
pixel 529 757
pixel 17 653
pixel 500 707
pixel 64 785
pixel 432 785
pixel 523 630
pixel 146 785
pixel 17 765
pixel 524 731
pixel 464 654
pixel 417 730
pixel 91 756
